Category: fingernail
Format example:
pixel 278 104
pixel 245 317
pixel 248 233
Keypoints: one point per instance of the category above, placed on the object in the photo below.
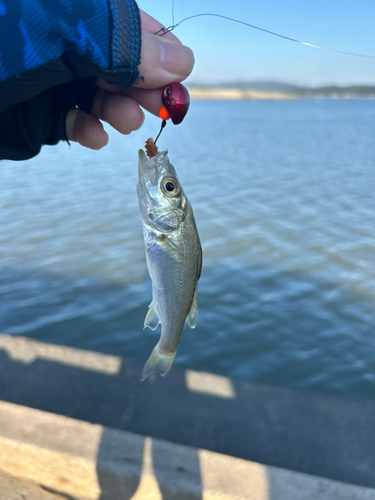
pixel 175 58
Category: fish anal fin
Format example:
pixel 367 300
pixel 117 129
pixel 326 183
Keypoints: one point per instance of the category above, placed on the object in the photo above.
pixel 192 317
pixel 152 318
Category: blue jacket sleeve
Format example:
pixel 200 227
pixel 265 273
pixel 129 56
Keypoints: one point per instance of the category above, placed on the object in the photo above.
pixel 47 42
pixel 51 52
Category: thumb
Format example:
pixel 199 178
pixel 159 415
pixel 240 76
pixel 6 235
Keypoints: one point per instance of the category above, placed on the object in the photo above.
pixel 162 62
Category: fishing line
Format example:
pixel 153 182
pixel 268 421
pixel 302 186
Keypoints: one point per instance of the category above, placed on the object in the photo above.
pixel 173 12
pixel 163 124
pixel 163 31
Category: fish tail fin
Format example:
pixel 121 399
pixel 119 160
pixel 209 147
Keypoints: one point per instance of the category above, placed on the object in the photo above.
pixel 158 362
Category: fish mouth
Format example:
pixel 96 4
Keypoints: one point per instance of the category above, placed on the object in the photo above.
pixel 149 168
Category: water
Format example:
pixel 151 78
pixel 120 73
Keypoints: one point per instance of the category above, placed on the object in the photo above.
pixel 283 194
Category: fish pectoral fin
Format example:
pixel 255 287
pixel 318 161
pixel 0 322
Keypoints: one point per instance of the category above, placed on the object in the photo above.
pixel 152 319
pixel 192 317
pixel 142 158
pixel 170 248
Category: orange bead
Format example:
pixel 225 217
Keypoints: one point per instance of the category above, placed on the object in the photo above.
pixel 164 115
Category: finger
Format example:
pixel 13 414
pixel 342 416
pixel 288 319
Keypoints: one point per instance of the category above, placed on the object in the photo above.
pixel 121 112
pixel 149 99
pixel 162 62
pixel 85 129
pixel 151 25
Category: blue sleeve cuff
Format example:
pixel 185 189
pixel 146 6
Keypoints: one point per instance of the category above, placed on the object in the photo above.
pixel 126 37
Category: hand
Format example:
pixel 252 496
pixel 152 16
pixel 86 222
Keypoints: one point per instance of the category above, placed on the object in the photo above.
pixel 163 60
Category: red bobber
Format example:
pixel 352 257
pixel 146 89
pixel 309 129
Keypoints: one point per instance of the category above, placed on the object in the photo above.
pixel 176 100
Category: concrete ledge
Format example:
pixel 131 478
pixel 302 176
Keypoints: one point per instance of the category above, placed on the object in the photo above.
pixel 91 462
pixel 299 431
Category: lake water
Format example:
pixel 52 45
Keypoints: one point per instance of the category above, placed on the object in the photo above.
pixel 284 198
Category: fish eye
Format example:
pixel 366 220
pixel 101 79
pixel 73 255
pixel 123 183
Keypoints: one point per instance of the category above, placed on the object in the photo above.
pixel 167 91
pixel 170 187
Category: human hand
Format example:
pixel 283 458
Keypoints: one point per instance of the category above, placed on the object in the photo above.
pixel 163 60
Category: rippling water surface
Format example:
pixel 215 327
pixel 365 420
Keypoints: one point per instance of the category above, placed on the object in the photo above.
pixel 283 194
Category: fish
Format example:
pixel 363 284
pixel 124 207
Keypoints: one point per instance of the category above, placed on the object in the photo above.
pixel 173 256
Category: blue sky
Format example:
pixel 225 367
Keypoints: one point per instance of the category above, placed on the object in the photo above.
pixel 227 51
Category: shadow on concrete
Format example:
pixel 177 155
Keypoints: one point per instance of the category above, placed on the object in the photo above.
pixel 321 435
pixel 117 401
pixel 112 485
pixel 150 469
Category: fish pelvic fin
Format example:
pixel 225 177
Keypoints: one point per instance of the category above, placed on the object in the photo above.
pixel 152 319
pixel 158 361
pixel 192 317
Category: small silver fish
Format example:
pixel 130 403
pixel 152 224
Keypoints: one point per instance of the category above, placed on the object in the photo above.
pixel 173 255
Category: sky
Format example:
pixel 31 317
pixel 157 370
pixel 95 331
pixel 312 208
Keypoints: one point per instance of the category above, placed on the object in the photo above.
pixel 229 52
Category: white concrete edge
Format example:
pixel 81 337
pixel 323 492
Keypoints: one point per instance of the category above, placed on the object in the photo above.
pixel 82 460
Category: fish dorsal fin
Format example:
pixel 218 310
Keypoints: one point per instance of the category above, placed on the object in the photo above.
pixel 152 319
pixel 192 317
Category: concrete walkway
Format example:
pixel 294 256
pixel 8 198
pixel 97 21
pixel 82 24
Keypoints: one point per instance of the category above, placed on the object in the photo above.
pixel 80 424
pixel 13 488
pixel 89 462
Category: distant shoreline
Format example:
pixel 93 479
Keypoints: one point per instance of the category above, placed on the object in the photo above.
pixel 235 93
pixel 239 94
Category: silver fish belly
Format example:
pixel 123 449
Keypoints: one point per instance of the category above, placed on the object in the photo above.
pixel 173 255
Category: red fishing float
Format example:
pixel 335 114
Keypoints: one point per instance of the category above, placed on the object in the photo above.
pixel 176 102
